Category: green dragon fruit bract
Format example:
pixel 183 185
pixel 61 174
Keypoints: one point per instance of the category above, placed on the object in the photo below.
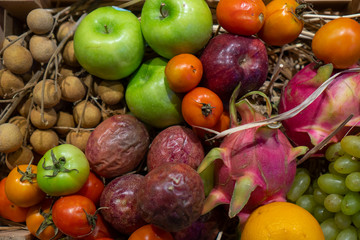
pixel 340 99
pixel 251 167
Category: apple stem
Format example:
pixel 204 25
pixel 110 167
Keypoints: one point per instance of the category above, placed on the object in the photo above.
pixel 106 29
pixel 164 13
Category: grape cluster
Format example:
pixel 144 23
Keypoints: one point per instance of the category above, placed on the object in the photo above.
pixel 333 198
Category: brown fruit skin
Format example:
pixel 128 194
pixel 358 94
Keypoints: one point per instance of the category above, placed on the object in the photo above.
pixel 42 48
pixel 171 196
pixel 21 156
pixel 10 138
pixel 17 59
pixel 64 29
pixel 92 115
pixel 78 139
pixel 25 128
pixel 11 38
pixel 39 21
pixel 64 119
pixel 43 140
pixel 175 144
pixel 72 89
pixel 10 83
pixel 69 54
pixel 52 95
pixel 117 145
pixel 111 92
pixel 119 200
pixel 50 118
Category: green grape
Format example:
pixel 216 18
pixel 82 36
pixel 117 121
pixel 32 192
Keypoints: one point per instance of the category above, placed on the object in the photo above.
pixel 331 183
pixel 346 164
pixel 332 202
pixel 349 233
pixel 329 229
pixel 342 221
pixel 350 203
pixel 319 196
pixel 351 145
pixel 352 181
pixel 333 152
pixel 332 170
pixel 307 202
pixel 321 214
pixel 356 219
pixel 299 186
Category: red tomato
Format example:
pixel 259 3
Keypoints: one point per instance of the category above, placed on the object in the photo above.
pixel 150 232
pixel 21 186
pixel 183 72
pixel 41 214
pixel 201 107
pixel 337 42
pixel 74 215
pixel 92 188
pixel 243 17
pixel 102 230
pixel 282 23
pixel 8 210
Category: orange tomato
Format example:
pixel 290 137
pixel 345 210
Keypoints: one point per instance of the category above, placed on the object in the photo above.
pixel 150 232
pixel 243 17
pixel 201 107
pixel 337 42
pixel 21 186
pixel 8 210
pixel 40 214
pixel 183 72
pixel 282 24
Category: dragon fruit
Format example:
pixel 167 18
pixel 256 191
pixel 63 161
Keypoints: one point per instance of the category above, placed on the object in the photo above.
pixel 251 167
pixel 317 121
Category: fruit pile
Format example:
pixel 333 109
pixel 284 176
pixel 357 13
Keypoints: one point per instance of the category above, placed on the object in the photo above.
pixel 175 120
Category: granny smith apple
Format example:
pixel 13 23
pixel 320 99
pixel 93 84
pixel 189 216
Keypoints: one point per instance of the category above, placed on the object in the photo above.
pixel 108 43
pixel 149 97
pixel 171 27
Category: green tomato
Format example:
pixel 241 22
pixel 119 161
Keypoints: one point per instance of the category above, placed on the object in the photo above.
pixel 109 44
pixel 171 27
pixel 150 98
pixel 62 170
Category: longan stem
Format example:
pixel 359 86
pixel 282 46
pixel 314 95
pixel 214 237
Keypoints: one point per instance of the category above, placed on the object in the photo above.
pixel 22 36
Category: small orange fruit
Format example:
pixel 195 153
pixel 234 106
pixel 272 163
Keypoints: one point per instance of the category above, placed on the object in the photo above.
pixel 281 221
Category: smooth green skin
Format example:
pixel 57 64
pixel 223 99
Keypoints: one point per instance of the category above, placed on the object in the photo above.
pixel 111 55
pixel 149 97
pixel 186 29
pixel 64 183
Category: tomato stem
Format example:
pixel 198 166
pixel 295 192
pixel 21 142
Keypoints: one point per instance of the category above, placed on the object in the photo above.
pixel 28 175
pixel 58 165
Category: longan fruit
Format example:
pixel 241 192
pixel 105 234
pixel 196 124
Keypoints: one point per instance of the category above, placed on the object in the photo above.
pixel 10 83
pixel 42 48
pixel 64 72
pixel 78 139
pixel 10 138
pixel 21 156
pixel 24 107
pixel 11 38
pixel 50 118
pixel 69 54
pixel 111 92
pixel 42 140
pixel 52 93
pixel 111 110
pixel 17 59
pixel 64 29
pixel 65 119
pixel 39 21
pixel 72 89
pixel 23 125
pixel 92 114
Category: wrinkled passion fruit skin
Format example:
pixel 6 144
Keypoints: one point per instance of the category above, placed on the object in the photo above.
pixel 171 196
pixel 175 144
pixel 117 145
pixel 118 198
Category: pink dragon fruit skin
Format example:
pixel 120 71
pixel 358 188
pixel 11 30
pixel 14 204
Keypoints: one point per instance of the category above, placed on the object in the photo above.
pixel 252 167
pixel 324 115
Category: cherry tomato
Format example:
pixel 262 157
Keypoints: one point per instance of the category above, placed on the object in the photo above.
pixel 92 188
pixel 337 42
pixel 8 210
pixel 74 215
pixel 183 72
pixel 201 107
pixel 150 232
pixel 282 23
pixel 21 186
pixel 40 215
pixel 243 17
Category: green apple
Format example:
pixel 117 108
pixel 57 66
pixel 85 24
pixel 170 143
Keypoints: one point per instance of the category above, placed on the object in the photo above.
pixel 149 97
pixel 171 27
pixel 108 43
